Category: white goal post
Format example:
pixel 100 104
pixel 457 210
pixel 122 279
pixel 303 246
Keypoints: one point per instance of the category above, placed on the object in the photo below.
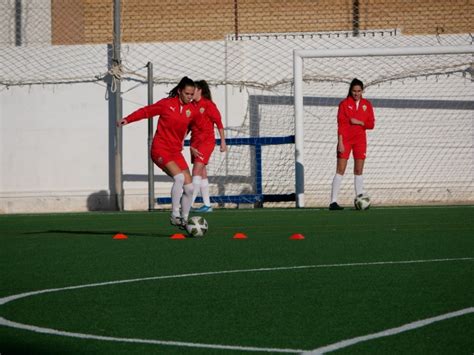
pixel 298 60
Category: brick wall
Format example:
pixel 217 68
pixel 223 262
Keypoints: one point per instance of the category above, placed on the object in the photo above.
pixel 91 21
pixel 98 21
pixel 67 22
pixel 153 21
pixel 301 16
pixel 418 17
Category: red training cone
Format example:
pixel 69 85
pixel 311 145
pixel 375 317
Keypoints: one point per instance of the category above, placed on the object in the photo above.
pixel 178 236
pixel 239 236
pixel 120 236
pixel 297 236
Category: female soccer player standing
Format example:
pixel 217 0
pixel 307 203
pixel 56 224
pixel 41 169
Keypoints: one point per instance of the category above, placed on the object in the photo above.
pixel 203 141
pixel 176 112
pixel 354 117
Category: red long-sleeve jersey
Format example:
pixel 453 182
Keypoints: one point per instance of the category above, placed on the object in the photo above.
pixel 202 127
pixel 172 125
pixel 363 112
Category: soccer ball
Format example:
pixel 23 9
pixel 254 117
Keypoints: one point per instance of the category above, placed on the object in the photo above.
pixel 197 226
pixel 362 202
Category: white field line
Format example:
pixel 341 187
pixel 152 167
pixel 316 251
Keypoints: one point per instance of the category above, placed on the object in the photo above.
pixel 50 331
pixel 5 300
pixel 388 332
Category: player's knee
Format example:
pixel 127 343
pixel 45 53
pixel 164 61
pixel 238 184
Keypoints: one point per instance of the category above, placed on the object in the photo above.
pixel 179 178
pixel 188 189
pixel 340 169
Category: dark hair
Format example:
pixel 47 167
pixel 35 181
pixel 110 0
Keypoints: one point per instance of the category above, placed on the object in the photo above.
pixel 206 92
pixel 185 81
pixel 355 82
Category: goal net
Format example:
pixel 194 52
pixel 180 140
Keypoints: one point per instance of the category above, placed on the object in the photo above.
pixel 421 150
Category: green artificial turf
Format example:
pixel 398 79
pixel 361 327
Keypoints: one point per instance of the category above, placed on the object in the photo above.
pixel 355 273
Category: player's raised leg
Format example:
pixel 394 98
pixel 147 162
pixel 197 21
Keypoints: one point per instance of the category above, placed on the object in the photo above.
pixel 187 198
pixel 182 183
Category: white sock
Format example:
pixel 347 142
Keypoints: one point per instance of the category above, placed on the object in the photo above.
pixel 197 187
pixel 176 192
pixel 205 192
pixel 359 184
pixel 186 201
pixel 336 186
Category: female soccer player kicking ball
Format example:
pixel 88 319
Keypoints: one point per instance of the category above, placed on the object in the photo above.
pixel 176 112
pixel 203 141
pixel 354 117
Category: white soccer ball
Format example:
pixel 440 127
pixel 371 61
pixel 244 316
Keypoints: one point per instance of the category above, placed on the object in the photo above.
pixel 362 202
pixel 197 226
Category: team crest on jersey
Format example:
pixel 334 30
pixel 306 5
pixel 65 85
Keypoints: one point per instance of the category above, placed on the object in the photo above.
pixel 202 109
pixel 364 107
pixel 188 113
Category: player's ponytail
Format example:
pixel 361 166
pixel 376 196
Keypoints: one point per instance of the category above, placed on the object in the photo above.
pixel 355 82
pixel 205 91
pixel 185 81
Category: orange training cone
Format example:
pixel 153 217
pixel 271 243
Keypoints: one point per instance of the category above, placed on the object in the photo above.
pixel 120 236
pixel 239 236
pixel 297 236
pixel 178 236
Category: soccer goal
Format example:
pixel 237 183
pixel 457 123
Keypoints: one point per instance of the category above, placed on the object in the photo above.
pixel 421 150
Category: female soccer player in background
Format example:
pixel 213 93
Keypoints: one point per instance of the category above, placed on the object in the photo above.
pixel 203 141
pixel 176 112
pixel 354 117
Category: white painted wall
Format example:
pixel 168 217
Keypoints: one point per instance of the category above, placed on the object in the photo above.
pixel 54 147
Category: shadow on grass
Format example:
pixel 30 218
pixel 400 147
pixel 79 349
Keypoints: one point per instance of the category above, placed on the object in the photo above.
pixel 107 233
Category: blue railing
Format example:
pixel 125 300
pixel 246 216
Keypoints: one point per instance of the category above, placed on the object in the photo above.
pixel 258 198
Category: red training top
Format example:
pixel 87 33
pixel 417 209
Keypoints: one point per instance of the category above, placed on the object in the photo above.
pixel 347 110
pixel 172 125
pixel 202 127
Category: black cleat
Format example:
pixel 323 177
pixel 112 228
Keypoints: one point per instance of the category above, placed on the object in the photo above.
pixel 178 222
pixel 335 207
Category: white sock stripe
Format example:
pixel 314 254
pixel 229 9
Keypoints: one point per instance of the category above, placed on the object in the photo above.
pixel 359 184
pixel 335 187
pixel 179 178
pixel 205 192
pixel 187 200
pixel 176 193
pixel 197 187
